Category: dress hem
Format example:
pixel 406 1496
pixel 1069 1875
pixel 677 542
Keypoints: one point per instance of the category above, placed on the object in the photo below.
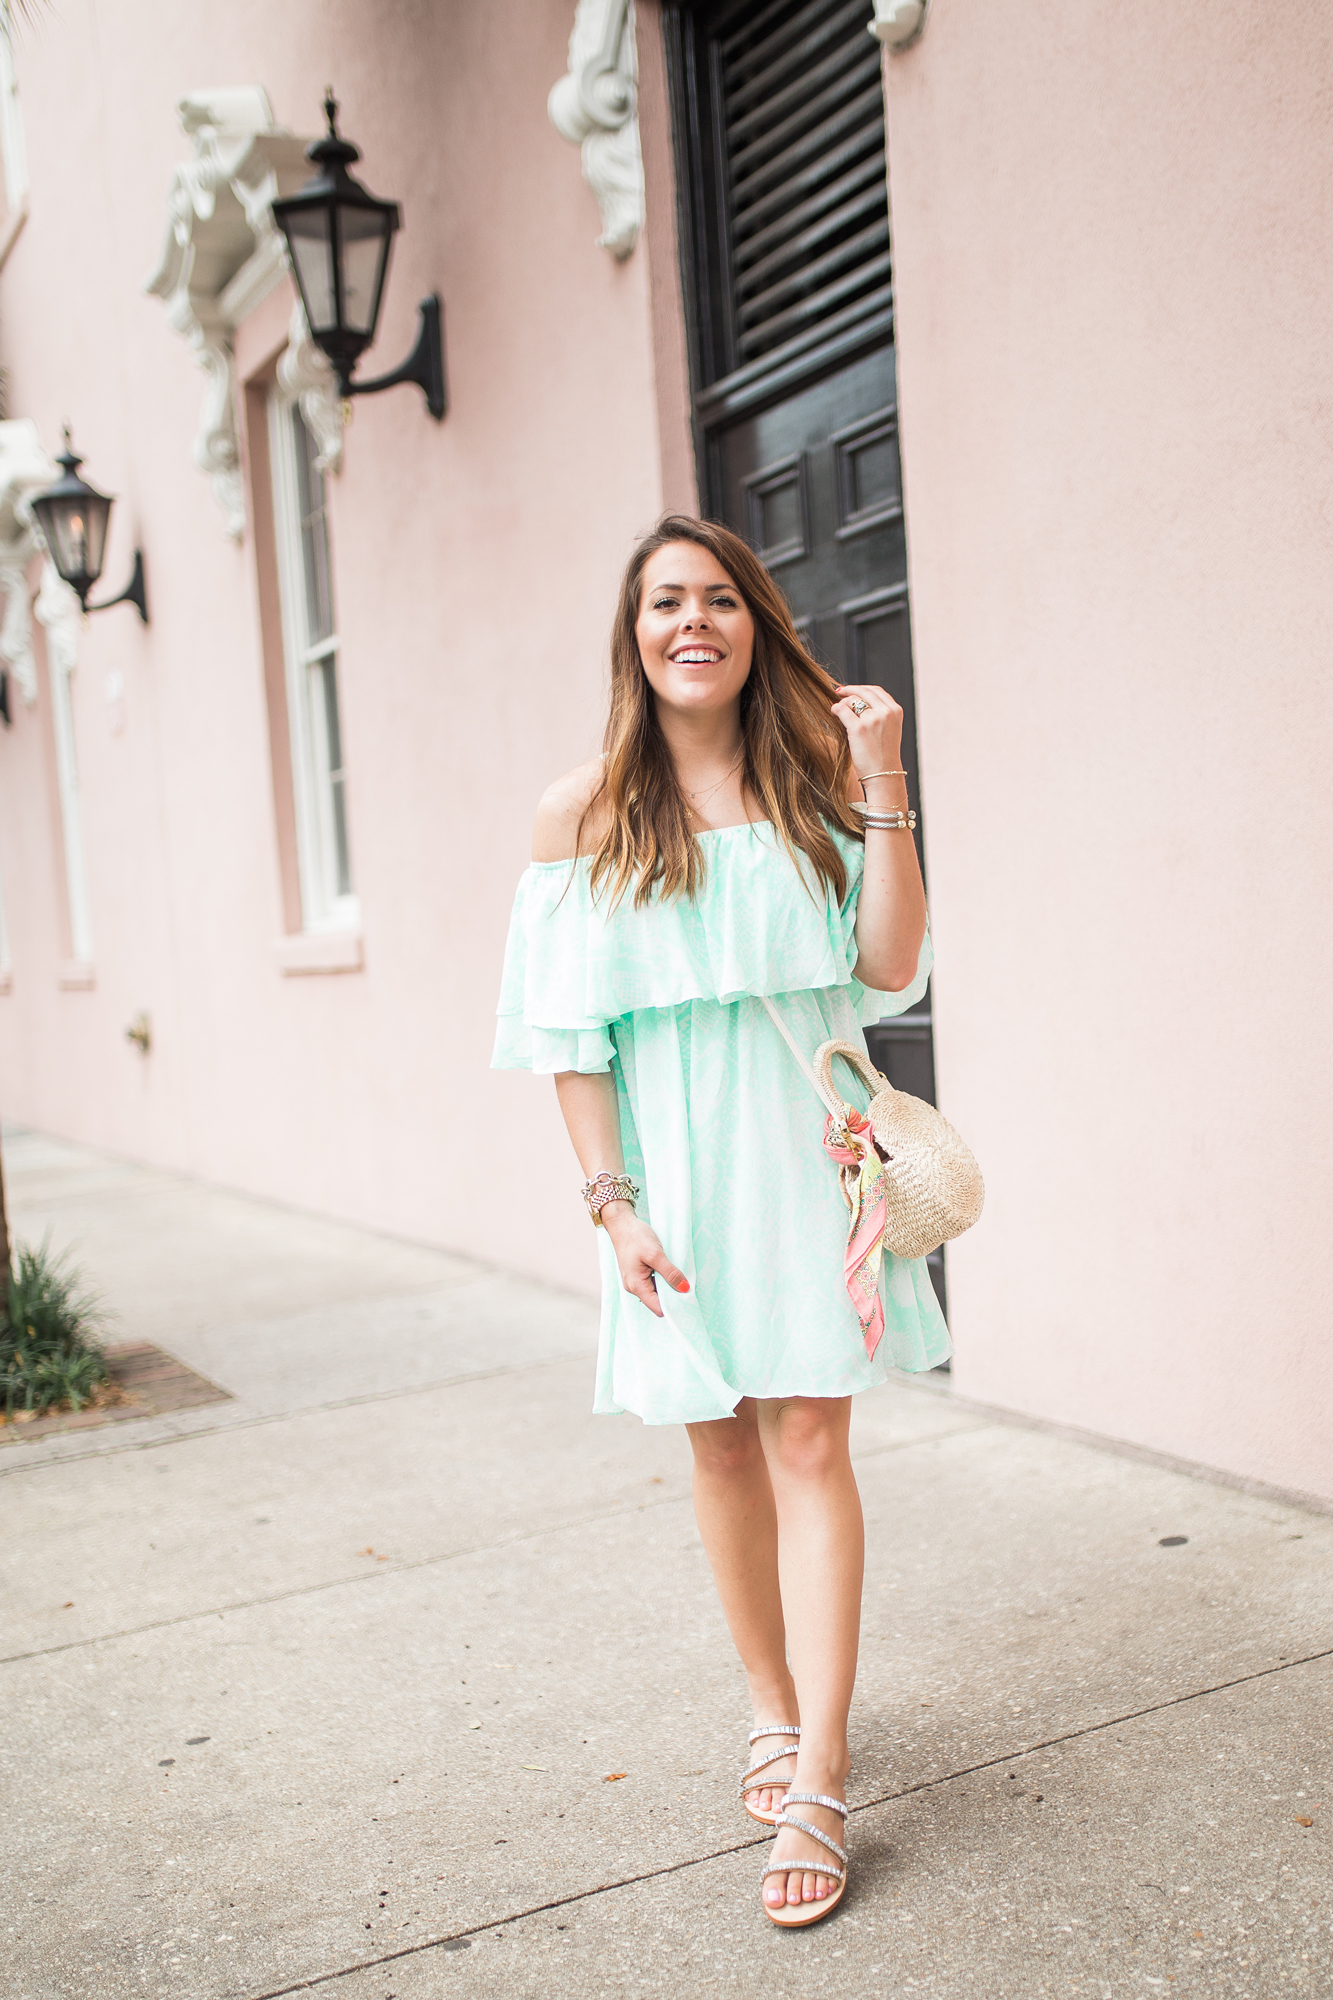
pixel 600 1409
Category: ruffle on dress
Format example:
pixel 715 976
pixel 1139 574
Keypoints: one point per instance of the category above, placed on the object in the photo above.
pixel 757 925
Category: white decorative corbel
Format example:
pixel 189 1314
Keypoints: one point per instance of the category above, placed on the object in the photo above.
pixel 24 467
pixel 594 107
pixel 217 451
pixel 305 372
pixel 899 23
pixel 223 256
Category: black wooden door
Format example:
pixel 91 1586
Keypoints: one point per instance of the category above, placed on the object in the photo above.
pixel 780 158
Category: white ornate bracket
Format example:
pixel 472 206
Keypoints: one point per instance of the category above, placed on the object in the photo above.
pixel 24 467
pixel 305 372
pixel 595 108
pixel 223 256
pixel 899 23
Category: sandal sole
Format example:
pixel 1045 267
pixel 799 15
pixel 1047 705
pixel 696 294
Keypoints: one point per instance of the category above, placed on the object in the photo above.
pixel 764 1818
pixel 803 1914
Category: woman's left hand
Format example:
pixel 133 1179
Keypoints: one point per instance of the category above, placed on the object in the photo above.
pixel 875 736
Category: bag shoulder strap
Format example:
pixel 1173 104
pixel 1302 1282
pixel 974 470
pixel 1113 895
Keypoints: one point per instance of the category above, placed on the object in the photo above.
pixel 827 1099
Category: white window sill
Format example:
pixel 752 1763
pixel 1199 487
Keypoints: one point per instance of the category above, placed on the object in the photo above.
pixel 320 951
pixel 76 975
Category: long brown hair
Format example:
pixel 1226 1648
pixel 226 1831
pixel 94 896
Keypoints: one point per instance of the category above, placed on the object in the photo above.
pixel 796 761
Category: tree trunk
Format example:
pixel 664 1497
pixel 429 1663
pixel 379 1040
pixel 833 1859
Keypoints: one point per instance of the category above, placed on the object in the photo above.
pixel 4 1252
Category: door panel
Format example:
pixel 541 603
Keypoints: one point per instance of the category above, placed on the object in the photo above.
pixel 848 552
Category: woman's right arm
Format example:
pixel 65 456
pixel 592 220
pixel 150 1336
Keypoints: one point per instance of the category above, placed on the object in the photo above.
pixel 588 1102
pixel 592 1118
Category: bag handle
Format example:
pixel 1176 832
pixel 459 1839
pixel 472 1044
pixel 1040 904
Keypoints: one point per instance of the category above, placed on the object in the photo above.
pixel 821 1079
pixel 856 1059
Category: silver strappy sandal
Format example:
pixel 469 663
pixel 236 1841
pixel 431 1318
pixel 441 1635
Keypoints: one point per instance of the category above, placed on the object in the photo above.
pixel 793 1916
pixel 750 1782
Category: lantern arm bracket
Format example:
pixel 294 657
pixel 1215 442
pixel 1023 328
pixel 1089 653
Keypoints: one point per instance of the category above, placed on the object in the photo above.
pixel 134 592
pixel 424 365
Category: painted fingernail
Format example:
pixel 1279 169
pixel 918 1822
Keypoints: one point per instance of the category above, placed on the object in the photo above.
pixel 684 1285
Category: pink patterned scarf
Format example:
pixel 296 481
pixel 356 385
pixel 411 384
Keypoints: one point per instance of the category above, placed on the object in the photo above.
pixel 865 1184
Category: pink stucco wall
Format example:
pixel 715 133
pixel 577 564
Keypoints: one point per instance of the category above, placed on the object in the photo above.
pixel 1115 287
pixel 475 571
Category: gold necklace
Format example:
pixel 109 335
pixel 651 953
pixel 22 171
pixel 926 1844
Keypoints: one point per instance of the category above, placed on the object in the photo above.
pixel 720 783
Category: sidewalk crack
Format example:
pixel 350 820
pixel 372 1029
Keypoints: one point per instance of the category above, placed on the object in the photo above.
pixel 761 1840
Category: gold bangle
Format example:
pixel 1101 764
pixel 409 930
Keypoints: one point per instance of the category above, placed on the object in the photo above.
pixel 863 782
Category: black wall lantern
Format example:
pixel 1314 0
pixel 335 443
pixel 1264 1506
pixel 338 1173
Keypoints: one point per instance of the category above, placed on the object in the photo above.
pixel 339 237
pixel 73 517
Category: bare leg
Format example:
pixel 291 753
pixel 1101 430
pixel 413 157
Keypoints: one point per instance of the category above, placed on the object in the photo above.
pixel 821 1558
pixel 734 1506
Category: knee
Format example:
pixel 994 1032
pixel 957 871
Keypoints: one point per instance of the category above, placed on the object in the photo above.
pixel 729 1449
pixel 808 1441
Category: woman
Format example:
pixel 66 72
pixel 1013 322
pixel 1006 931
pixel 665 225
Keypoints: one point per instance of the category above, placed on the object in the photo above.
pixel 710 856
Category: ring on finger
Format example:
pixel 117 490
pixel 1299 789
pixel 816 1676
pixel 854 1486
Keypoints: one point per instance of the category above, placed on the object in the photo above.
pixel 859 707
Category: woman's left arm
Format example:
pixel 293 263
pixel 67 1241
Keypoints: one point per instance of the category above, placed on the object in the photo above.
pixel 891 913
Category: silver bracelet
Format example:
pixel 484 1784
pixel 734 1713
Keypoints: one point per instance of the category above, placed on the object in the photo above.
pixel 894 822
pixel 605 1187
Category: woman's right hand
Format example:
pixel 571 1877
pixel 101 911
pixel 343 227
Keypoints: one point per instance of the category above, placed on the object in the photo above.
pixel 639 1254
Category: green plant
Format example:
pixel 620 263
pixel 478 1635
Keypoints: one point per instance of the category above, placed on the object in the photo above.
pixel 49 1352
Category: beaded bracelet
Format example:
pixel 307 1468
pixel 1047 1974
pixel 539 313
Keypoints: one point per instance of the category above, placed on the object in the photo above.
pixel 605 1187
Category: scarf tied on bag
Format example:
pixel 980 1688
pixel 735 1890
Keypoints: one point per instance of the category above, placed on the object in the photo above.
pixel 851 1143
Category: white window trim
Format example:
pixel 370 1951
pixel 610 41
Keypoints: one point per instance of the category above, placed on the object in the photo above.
pixel 13 149
pixel 6 960
pixel 58 610
pixel 322 908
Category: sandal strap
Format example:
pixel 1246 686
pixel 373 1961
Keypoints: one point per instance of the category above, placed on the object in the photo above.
pixel 784 1818
pixel 803 1868
pixel 749 1783
pixel 817 1799
pixel 775 1729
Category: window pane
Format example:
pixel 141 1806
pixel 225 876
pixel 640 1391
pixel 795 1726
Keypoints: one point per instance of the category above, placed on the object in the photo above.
pixel 365 250
pixel 328 676
pixel 314 536
pixel 312 249
pixel 305 575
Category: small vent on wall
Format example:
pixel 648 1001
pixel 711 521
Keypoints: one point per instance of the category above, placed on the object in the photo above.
pixel 801 111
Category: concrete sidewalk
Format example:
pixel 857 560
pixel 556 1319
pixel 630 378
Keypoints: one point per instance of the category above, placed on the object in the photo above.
pixel 277 1671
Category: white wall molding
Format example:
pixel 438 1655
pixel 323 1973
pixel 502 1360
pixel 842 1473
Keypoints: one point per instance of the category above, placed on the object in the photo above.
pixel 595 107
pixel 24 467
pixel 223 256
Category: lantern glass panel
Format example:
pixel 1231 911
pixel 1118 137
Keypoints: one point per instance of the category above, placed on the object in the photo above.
pixel 366 235
pixel 75 528
pixel 310 234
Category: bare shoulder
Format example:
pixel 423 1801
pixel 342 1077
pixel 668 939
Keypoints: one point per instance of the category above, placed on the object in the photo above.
pixel 563 805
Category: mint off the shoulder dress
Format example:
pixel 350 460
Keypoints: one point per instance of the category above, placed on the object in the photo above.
pixel 720 1128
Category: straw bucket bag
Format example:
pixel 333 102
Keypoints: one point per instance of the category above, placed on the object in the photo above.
pixel 932 1189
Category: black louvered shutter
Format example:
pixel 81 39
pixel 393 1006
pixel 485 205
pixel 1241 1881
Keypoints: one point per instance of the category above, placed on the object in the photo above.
pixel 782 111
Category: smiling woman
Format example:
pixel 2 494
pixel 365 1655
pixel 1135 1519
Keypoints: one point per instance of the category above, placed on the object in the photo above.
pixel 707 864
pixel 714 704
